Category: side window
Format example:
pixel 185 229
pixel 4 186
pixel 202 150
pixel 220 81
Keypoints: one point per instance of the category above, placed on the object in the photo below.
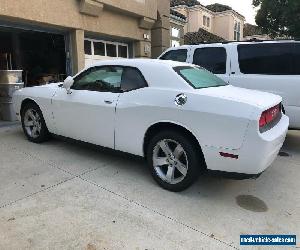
pixel 266 59
pixel 132 79
pixel 101 79
pixel 212 59
pixel 296 58
pixel 179 55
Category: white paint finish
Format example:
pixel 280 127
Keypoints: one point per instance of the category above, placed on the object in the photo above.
pixel 85 115
pixel 221 118
pixel 287 86
pixel 42 96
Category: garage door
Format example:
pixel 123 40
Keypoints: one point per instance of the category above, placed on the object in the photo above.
pixel 97 50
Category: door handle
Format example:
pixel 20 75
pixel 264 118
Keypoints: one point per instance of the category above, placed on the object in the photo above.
pixel 108 102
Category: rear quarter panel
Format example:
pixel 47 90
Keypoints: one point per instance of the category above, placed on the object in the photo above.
pixel 214 122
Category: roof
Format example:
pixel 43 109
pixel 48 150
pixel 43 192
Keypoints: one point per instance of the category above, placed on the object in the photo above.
pixel 216 8
pixel 226 43
pixel 219 8
pixel 164 77
pixel 189 3
pixel 139 62
pixel 177 14
pixel 202 36
pixel 250 30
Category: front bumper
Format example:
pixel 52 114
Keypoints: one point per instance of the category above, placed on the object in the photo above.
pixel 257 153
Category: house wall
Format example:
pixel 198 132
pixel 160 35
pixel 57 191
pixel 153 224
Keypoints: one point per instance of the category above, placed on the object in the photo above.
pixel 206 13
pixel 222 27
pixel 127 21
pixel 221 23
pixel 161 30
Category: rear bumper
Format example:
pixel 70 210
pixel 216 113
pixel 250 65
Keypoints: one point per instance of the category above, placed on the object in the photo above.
pixel 258 152
pixel 233 176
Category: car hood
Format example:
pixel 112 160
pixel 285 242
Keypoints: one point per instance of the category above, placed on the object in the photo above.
pixel 51 85
pixel 253 97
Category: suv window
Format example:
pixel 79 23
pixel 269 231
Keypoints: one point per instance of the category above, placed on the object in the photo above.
pixel 179 55
pixel 268 58
pixel 102 79
pixel 296 59
pixel 132 79
pixel 212 59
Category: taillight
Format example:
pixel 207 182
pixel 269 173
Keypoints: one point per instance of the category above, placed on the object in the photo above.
pixel 269 116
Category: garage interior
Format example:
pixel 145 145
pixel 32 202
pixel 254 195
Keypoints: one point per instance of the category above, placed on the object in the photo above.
pixel 28 58
pixel 40 55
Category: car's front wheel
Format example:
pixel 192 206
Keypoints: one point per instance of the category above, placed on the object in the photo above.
pixel 174 161
pixel 33 123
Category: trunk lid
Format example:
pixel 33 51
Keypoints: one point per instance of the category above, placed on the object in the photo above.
pixel 256 98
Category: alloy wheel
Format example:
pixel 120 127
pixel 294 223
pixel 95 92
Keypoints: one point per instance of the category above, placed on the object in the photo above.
pixel 32 123
pixel 170 161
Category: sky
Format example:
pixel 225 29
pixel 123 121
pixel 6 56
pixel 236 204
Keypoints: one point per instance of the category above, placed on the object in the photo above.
pixel 244 7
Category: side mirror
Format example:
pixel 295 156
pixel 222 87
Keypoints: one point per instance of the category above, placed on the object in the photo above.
pixel 68 82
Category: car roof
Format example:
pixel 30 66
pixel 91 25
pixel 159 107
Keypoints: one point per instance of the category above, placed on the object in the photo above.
pixel 226 43
pixel 140 62
pixel 164 76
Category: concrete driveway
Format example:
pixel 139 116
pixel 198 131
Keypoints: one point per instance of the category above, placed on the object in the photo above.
pixel 68 195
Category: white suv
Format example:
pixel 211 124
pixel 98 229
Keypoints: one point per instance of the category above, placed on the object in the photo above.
pixel 272 66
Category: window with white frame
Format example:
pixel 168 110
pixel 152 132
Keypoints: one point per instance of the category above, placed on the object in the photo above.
pixel 105 49
pixel 175 43
pixel 175 32
pixel 206 21
pixel 237 31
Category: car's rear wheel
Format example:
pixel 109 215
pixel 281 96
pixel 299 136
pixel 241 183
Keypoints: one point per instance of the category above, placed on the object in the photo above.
pixel 33 123
pixel 174 161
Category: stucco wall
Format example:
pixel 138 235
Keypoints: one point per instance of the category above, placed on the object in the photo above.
pixel 194 21
pixel 66 15
pixel 161 30
pixel 224 25
pixel 128 21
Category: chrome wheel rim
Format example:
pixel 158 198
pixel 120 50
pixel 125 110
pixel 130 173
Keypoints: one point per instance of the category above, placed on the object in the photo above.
pixel 170 161
pixel 32 123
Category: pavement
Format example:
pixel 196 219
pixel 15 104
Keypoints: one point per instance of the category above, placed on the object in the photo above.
pixel 69 195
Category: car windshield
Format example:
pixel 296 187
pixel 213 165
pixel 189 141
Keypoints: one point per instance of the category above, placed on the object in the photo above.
pixel 198 77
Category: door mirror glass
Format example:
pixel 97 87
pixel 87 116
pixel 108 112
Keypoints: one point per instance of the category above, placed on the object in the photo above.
pixel 68 82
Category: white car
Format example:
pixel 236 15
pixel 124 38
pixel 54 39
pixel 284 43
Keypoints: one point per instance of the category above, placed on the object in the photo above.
pixel 180 117
pixel 272 66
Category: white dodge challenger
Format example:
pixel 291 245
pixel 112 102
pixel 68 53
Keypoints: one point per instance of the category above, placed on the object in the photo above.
pixel 181 118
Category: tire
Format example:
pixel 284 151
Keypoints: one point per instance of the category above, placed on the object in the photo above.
pixel 33 123
pixel 174 162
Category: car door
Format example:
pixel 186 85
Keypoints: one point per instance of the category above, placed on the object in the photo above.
pixel 130 112
pixel 88 112
pixel 213 58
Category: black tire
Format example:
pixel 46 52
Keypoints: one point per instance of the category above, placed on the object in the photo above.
pixel 43 134
pixel 195 162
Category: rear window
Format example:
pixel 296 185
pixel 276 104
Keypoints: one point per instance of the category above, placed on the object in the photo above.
pixel 198 77
pixel 270 58
pixel 212 59
pixel 179 55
